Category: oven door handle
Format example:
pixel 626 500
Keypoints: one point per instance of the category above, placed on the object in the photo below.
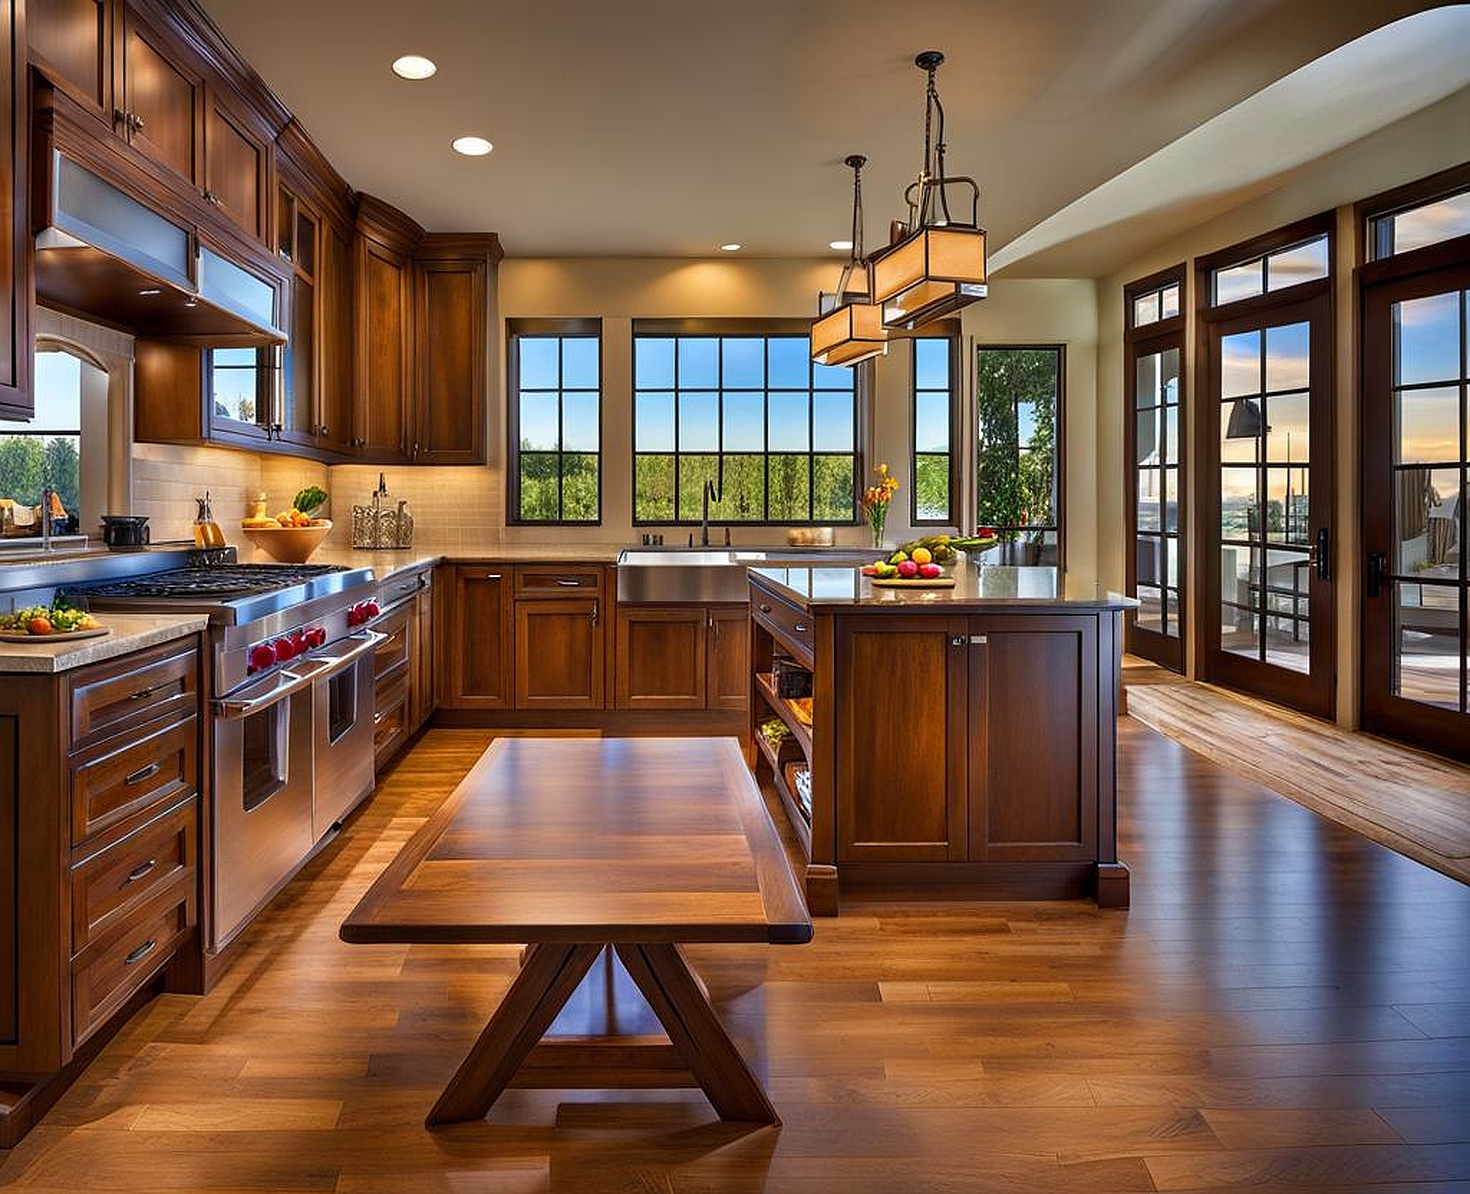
pixel 235 708
pixel 368 640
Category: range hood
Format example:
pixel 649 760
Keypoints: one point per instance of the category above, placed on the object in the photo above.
pixel 105 254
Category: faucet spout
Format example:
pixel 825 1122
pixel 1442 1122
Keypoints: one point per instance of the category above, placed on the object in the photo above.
pixel 710 495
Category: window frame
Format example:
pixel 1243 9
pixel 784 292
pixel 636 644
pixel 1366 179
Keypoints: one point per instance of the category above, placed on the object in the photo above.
pixel 1373 268
pixel 1142 340
pixel 949 330
pixel 572 328
pixel 28 429
pixel 1059 449
pixel 749 327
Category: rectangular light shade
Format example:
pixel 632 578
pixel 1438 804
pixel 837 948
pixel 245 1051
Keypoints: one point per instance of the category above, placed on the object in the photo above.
pixel 932 273
pixel 851 332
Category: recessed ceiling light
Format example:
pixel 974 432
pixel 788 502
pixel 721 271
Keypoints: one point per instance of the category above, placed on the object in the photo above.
pixel 472 147
pixel 732 247
pixel 413 66
pixel 844 245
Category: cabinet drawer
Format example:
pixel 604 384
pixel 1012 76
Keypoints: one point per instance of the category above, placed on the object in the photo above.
pixel 110 884
pixel 392 653
pixel 114 696
pixel 105 977
pixel 160 766
pixel 391 720
pixel 792 625
pixel 554 582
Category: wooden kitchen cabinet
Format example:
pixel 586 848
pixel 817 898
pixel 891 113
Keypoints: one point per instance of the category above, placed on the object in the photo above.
pixel 452 276
pixel 336 342
pixel 901 730
pixel 727 657
pixel 559 651
pixel 681 657
pixel 71 40
pixel 383 269
pixel 237 167
pixel 99 876
pixel 16 348
pixel 158 95
pixel 474 667
pixel 659 657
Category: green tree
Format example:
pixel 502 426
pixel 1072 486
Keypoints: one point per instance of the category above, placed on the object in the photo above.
pixel 63 470
pixel 22 468
pixel 1012 492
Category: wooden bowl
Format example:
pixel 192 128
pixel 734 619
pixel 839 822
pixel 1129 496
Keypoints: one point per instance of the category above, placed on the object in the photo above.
pixel 288 545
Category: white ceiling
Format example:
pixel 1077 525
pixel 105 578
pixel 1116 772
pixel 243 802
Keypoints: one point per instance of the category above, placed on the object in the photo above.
pixel 667 127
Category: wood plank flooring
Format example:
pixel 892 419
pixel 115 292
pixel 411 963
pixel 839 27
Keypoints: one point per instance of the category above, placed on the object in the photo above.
pixel 1414 802
pixel 1286 1006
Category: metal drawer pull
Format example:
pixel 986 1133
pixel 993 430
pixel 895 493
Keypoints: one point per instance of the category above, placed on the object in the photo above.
pixel 568 582
pixel 800 627
pixel 139 871
pixel 142 694
pixel 140 953
pixel 492 576
pixel 378 717
pixel 977 640
pixel 142 773
pixel 957 641
pixel 765 609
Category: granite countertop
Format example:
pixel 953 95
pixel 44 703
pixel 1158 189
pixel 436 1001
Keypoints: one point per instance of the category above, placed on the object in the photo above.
pixel 130 632
pixel 982 586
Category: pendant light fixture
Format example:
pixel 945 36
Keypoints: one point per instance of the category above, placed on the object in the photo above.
pixel 849 325
pixel 938 265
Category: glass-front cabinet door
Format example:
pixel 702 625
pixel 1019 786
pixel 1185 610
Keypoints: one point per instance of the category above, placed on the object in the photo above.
pixel 1416 470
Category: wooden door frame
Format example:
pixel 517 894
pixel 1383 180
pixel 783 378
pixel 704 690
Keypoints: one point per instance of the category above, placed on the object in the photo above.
pixel 1150 338
pixel 1418 274
pixel 1316 693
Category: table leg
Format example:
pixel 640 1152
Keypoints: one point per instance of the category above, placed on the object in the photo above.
pixel 673 992
pixel 547 978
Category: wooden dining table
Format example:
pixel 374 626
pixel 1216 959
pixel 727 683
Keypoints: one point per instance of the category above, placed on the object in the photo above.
pixel 576 846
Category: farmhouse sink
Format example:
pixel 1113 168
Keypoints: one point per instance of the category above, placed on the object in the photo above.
pixel 697 576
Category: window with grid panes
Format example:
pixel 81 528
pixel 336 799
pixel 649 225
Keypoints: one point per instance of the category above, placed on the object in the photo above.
pixel 933 389
pixel 556 462
pixel 751 414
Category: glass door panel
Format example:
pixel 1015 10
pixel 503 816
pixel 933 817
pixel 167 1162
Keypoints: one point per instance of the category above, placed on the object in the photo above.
pixel 1269 382
pixel 1416 463
pixel 1156 462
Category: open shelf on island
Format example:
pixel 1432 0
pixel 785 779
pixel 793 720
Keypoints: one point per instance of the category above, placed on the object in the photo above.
pixel 766 685
pixel 777 759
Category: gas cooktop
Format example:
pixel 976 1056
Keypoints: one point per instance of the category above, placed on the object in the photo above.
pixel 218 582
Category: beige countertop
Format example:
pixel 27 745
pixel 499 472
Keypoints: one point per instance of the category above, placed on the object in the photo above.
pixel 130 632
pixel 983 587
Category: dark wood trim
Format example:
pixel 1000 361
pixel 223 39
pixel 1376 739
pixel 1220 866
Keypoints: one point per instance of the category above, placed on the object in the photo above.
pixel 1401 198
pixel 948 329
pixel 388 225
pixel 752 326
pixel 1061 430
pixel 17 346
pixel 1156 281
pixel 514 329
pixel 1264 243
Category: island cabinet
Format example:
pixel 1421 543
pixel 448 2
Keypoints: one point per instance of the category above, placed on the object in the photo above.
pixel 962 744
pixel 100 773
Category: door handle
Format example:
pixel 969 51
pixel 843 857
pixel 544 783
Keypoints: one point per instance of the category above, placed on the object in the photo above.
pixel 568 582
pixel 594 613
pixel 1373 574
pixel 142 773
pixel 1322 554
pixel 139 871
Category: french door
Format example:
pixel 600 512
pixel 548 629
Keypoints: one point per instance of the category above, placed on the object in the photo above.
pixel 1415 425
pixel 1267 433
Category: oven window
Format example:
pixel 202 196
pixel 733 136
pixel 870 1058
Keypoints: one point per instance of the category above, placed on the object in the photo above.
pixel 262 755
pixel 342 691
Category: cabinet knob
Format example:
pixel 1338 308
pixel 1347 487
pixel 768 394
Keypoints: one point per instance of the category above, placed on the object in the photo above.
pixel 136 122
pixel 957 641
pixel 322 430
pixel 211 198
pixel 765 609
pixel 121 117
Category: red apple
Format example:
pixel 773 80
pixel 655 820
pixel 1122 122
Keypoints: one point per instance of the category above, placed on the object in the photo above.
pixel 908 569
pixel 929 571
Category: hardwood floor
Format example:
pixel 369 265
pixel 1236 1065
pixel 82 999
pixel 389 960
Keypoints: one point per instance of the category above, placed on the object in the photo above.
pixel 1286 1006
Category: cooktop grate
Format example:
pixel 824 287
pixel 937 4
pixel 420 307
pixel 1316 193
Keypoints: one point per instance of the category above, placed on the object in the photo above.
pixel 234 580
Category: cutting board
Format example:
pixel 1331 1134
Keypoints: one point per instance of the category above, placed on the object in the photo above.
pixel 918 582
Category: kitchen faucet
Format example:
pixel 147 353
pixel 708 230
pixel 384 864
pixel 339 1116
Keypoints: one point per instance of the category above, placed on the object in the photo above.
pixel 710 494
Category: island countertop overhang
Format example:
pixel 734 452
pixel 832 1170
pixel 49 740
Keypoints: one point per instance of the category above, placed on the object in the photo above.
pixel 984 588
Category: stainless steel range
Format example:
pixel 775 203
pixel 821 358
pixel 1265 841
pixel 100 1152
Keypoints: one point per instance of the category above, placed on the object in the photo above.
pixel 291 703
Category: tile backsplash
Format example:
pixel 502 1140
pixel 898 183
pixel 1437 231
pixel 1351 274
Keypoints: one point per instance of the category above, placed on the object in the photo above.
pixel 452 508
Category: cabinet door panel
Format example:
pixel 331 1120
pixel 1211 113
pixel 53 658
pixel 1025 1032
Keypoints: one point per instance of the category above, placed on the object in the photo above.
pixel 727 673
pixel 559 654
pixel 335 338
pixel 423 658
pixel 16 399
pixel 235 170
pixel 660 658
pixel 901 729
pixel 450 402
pixel 1033 693
pixel 72 41
pixel 383 326
pixel 164 97
pixel 479 640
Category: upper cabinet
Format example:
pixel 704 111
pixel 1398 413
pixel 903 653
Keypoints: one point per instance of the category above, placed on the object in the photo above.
pixel 16 401
pixel 158 97
pixel 236 168
pixel 452 337
pixel 71 40
pixel 384 262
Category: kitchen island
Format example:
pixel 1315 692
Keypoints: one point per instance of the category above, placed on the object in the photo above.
pixel 960 740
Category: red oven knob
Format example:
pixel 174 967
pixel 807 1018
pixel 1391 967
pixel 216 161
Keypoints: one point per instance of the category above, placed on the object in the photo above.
pixel 262 655
pixel 354 615
pixel 285 649
pixel 370 610
pixel 316 637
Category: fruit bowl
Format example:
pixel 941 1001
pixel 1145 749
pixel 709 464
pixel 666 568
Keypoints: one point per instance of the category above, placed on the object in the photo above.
pixel 289 545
